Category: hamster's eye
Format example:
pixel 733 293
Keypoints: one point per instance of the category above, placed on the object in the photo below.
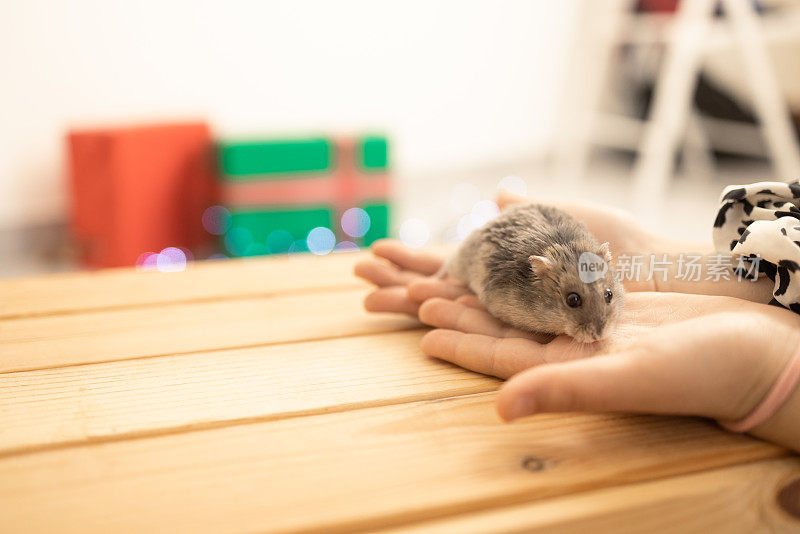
pixel 574 300
pixel 608 295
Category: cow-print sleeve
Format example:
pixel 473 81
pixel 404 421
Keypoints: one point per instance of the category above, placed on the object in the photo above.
pixel 762 220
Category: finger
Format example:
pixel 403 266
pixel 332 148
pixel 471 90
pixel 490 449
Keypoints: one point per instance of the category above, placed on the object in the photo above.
pixel 505 198
pixel 474 319
pixel 471 301
pixel 423 289
pixel 391 299
pixel 699 367
pixel 406 258
pixel 383 274
pixel 443 313
pixel 483 354
pixel 605 383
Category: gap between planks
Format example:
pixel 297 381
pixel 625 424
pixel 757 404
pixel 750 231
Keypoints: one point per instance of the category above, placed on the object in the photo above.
pixel 199 300
pixel 728 499
pixel 202 281
pixel 69 406
pixel 120 288
pixel 91 337
pixel 366 468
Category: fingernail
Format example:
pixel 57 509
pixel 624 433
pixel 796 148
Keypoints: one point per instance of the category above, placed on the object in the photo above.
pixel 521 407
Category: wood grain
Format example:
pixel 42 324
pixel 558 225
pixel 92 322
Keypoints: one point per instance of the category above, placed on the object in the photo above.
pixel 166 394
pixel 257 395
pixel 357 469
pixel 88 337
pixel 731 499
pixel 201 281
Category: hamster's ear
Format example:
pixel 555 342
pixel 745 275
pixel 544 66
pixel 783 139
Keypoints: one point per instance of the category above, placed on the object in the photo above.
pixel 541 266
pixel 605 252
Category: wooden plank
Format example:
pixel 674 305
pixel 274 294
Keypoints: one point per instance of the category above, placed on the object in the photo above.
pixel 96 402
pixel 201 281
pixel 356 469
pixel 88 337
pixel 730 499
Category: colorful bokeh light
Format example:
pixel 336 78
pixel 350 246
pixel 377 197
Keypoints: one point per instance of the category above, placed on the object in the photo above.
pixel 345 246
pixel 483 212
pixel 279 241
pixel 414 233
pixel 216 220
pixel 170 260
pixel 238 241
pixel 513 184
pixel 355 222
pixel 301 245
pixel 321 240
pixel 146 261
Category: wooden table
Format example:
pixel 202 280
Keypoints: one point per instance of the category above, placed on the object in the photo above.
pixel 257 395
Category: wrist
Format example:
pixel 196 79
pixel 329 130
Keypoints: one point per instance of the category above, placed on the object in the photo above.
pixel 783 427
pixel 771 399
pixel 771 347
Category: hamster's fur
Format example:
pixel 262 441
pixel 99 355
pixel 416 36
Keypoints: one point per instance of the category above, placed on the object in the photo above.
pixel 523 265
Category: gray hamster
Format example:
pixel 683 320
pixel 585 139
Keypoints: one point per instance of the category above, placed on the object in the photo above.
pixel 524 267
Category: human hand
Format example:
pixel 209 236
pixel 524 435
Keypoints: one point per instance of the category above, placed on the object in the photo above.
pixel 474 339
pixel 402 277
pixel 669 354
pixel 401 273
pixel 627 237
pixel 680 344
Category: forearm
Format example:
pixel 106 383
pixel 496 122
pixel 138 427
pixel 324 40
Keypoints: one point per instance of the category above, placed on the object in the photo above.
pixel 675 247
pixel 756 291
pixel 665 267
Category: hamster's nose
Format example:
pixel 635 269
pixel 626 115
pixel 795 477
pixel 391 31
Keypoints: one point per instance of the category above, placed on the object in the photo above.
pixel 598 328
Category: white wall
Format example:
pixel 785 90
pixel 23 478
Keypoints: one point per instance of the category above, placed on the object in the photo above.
pixel 455 82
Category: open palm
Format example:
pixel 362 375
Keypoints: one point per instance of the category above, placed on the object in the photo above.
pixel 672 353
pixel 669 353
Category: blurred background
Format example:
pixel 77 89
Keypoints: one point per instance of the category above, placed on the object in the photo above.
pixel 152 133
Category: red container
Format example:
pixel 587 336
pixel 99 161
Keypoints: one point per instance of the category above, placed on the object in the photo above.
pixel 139 189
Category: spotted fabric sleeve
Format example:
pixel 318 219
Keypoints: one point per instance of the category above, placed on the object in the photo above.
pixel 762 221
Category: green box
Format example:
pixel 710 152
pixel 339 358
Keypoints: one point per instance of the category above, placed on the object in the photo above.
pixel 243 160
pixel 373 153
pixel 246 160
pixel 273 229
pixel 259 231
pixel 276 230
pixel 379 216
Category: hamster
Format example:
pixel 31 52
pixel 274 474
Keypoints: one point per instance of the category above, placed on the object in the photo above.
pixel 524 267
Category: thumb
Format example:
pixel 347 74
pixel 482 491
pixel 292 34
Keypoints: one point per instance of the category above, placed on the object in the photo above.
pixel 505 198
pixel 612 382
